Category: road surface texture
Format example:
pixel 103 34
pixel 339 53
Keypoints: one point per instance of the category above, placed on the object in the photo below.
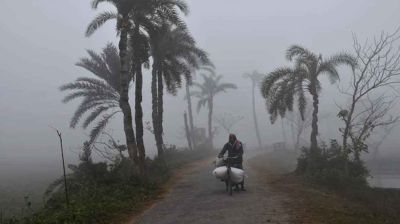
pixel 199 198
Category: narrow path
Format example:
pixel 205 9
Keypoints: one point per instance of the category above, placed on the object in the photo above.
pixel 199 198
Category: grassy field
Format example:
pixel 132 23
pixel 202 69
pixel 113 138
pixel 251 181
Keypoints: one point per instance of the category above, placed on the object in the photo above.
pixel 313 203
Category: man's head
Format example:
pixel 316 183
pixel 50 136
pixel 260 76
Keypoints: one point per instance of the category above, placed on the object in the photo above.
pixel 232 138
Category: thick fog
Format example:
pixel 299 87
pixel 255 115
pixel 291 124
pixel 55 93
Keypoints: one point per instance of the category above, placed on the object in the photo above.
pixel 41 41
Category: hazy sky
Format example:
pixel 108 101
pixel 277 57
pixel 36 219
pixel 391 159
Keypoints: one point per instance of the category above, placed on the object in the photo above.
pixel 42 39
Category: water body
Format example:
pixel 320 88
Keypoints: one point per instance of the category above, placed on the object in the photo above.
pixel 385 181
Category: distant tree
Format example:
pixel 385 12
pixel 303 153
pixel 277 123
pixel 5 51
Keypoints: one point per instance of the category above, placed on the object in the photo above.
pixel 175 54
pixel 227 121
pixel 255 78
pixel 187 131
pixel 100 96
pixel 188 98
pixel 206 92
pixel 281 85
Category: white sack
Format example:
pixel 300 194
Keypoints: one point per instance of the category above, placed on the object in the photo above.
pixel 221 172
pixel 237 175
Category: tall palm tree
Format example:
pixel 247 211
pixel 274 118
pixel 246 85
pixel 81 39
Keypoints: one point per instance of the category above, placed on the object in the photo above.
pixel 255 78
pixel 131 15
pixel 206 93
pixel 123 7
pixel 100 96
pixel 147 16
pixel 281 85
pixel 174 55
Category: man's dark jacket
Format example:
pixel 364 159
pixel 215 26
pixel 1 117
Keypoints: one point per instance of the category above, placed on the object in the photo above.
pixel 234 150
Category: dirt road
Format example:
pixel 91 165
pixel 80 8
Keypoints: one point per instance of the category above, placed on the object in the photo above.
pixel 199 198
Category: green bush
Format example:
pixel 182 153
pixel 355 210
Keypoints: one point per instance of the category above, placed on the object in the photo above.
pixel 327 168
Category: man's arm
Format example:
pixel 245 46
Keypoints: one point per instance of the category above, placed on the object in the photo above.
pixel 240 149
pixel 223 151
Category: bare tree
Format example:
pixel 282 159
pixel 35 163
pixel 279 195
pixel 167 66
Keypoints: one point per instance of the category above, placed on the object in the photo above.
pixel 299 125
pixel 378 70
pixel 108 148
pixel 227 121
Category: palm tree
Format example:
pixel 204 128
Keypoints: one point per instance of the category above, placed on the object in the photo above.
pixel 206 93
pixel 255 78
pixel 123 8
pixel 281 85
pixel 174 55
pixel 100 95
pixel 132 15
pixel 147 16
pixel 209 68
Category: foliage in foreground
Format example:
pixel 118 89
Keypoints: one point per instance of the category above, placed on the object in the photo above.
pixel 99 192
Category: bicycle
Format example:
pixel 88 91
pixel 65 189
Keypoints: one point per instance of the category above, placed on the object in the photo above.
pixel 228 182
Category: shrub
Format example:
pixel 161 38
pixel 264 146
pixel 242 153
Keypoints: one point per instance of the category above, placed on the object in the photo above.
pixel 328 168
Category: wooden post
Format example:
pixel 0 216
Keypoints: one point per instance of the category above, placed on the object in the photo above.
pixel 63 163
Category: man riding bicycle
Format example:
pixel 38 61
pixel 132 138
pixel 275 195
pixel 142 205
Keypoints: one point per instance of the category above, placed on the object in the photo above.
pixel 235 149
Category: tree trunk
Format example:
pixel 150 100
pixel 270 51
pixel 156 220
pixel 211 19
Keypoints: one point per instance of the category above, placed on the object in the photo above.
pixel 154 102
pixel 187 131
pixel 160 109
pixel 346 133
pixel 210 113
pixel 124 95
pixel 314 127
pixel 297 145
pixel 255 116
pixel 191 125
pixel 139 117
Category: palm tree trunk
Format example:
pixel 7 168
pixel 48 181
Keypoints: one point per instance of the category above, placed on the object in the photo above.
pixel 255 116
pixel 160 110
pixel 154 102
pixel 187 131
pixel 138 100
pixel 124 97
pixel 314 124
pixel 139 116
pixel 210 113
pixel 191 125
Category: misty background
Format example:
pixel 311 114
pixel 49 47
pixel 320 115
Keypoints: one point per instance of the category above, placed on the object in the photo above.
pixel 41 41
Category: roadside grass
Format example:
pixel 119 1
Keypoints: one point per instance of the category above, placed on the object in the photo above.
pixel 315 203
pixel 100 193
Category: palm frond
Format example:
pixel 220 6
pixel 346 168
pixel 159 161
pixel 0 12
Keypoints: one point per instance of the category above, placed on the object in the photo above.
pixel 224 86
pixel 99 110
pixel 96 131
pixel 299 51
pixel 201 103
pixel 99 20
pixel 343 59
pixel 273 77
